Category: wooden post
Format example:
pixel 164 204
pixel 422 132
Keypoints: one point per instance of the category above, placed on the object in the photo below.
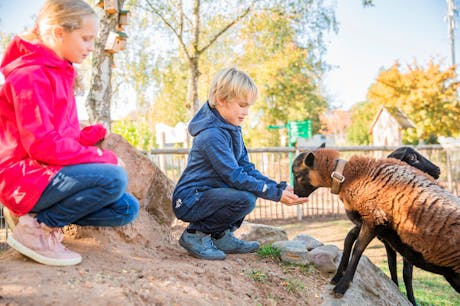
pixel 162 160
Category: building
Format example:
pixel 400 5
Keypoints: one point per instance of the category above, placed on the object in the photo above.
pixel 387 127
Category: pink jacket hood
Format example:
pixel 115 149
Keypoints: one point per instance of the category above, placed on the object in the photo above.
pixel 39 128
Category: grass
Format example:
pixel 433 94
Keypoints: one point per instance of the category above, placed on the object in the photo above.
pixel 429 288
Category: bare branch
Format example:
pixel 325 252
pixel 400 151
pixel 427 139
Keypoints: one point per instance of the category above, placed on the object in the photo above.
pixel 224 29
pixel 169 25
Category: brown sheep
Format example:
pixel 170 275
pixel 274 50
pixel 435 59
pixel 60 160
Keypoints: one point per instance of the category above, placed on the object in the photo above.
pixel 392 200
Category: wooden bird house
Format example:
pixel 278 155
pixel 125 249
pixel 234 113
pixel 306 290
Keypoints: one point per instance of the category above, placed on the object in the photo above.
pixel 116 42
pixel 123 17
pixel 110 6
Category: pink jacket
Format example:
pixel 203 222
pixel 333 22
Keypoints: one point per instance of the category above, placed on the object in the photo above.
pixel 39 128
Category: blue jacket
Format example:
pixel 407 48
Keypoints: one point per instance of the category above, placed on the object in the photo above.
pixel 219 159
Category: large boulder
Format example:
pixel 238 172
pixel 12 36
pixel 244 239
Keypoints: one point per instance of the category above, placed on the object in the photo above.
pixel 146 181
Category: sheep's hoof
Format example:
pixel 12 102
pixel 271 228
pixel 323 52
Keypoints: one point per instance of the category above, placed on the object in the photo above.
pixel 337 295
pixel 339 290
pixel 335 280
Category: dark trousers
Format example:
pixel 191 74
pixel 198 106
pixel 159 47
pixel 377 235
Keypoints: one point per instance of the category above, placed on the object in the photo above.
pixel 218 209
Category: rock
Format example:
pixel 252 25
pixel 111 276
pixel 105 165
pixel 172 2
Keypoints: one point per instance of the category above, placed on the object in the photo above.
pixel 146 181
pixel 325 258
pixel 370 286
pixel 292 251
pixel 311 243
pixel 264 234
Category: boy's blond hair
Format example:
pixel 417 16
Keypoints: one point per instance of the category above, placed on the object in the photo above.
pixel 231 83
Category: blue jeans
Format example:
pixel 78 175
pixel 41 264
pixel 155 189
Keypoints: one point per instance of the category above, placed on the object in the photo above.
pixel 87 195
pixel 217 210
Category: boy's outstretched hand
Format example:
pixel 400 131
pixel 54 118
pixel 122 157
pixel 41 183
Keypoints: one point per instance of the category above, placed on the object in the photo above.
pixel 288 197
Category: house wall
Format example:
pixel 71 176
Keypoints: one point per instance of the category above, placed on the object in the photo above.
pixel 386 131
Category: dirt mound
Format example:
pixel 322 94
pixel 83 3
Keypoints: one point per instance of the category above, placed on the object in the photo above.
pixel 146 267
pixel 142 264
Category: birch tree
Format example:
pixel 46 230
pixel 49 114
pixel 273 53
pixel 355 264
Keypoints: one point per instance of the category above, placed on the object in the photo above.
pixel 100 92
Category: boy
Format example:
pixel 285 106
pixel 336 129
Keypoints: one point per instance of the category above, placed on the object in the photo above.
pixel 219 186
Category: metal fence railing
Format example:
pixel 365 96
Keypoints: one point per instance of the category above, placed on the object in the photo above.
pixel 275 163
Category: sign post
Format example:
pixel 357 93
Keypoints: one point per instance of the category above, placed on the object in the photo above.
pixel 296 129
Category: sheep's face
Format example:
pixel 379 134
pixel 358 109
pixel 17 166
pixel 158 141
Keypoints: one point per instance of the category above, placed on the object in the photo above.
pixel 304 174
pixel 417 160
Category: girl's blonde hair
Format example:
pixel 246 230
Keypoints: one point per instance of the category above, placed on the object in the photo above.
pixel 65 13
pixel 231 83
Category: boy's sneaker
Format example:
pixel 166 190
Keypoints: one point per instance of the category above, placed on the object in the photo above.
pixel 200 245
pixel 41 243
pixel 232 245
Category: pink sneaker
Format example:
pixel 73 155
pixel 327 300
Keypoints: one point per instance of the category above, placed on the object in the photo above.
pixel 41 243
pixel 10 218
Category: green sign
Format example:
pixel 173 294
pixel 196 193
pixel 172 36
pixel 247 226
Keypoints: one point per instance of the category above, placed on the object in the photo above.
pixel 298 129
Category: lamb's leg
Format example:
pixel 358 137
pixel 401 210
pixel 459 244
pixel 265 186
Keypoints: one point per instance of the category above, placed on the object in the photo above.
pixel 347 246
pixel 454 281
pixel 391 257
pixel 366 234
pixel 407 275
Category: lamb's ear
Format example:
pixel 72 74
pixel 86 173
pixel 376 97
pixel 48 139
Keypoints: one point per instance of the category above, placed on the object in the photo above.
pixel 323 145
pixel 309 160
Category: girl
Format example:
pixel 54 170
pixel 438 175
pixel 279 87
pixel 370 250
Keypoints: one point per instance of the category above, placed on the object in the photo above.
pixel 51 172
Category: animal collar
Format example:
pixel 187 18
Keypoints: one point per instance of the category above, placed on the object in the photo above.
pixel 337 175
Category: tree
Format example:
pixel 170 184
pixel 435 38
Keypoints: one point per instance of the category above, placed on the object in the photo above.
pixel 186 24
pixel 287 75
pixel 200 25
pixel 428 96
pixel 100 93
pixel 362 115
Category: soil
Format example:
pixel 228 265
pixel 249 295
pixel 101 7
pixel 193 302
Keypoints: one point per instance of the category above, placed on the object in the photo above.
pixel 145 266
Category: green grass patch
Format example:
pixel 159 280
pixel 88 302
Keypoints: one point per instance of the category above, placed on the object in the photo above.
pixel 258 276
pixel 267 251
pixel 429 288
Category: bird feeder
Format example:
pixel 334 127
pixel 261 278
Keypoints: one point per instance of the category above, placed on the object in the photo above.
pixel 123 17
pixel 100 3
pixel 109 6
pixel 116 42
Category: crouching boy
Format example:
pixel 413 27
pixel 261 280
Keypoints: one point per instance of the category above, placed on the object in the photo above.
pixel 219 187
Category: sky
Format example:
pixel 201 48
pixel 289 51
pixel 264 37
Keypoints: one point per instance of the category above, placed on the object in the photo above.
pixel 369 39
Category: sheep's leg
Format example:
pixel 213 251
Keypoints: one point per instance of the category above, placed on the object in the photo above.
pixel 454 281
pixel 391 257
pixel 347 246
pixel 366 234
pixel 407 275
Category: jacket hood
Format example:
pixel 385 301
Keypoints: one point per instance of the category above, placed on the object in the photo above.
pixel 20 52
pixel 208 117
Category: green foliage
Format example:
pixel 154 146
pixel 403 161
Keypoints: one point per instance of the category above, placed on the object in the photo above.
pixel 267 251
pixel 258 276
pixel 428 96
pixel 137 133
pixel 362 115
pixel 429 288
pixel 286 75
pixel 279 43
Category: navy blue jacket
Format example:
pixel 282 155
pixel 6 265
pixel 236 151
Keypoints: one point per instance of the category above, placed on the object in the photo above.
pixel 219 159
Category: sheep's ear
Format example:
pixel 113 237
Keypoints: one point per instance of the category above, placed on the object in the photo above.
pixel 323 145
pixel 309 159
pixel 399 153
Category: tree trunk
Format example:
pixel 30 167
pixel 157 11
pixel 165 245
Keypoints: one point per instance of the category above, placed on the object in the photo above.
pixel 100 93
pixel 193 104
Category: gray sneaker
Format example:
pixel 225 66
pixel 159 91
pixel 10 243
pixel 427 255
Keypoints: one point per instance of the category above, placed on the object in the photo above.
pixel 232 245
pixel 200 245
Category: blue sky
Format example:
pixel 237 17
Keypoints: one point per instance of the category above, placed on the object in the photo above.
pixel 369 39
